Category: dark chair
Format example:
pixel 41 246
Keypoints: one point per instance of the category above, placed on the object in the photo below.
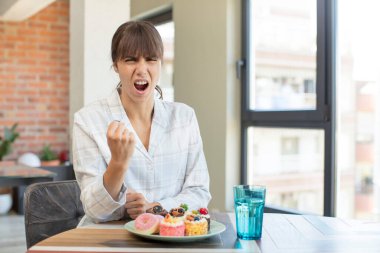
pixel 62 172
pixel 51 208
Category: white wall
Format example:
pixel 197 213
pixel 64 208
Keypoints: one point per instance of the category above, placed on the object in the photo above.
pixel 207 44
pixel 92 25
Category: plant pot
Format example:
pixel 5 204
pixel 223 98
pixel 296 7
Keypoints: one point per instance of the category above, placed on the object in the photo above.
pixel 50 163
pixel 5 203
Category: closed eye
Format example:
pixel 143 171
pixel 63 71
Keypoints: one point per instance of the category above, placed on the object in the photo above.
pixel 130 59
pixel 152 59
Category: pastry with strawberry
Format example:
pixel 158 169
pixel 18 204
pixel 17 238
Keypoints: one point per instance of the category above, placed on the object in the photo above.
pixel 203 212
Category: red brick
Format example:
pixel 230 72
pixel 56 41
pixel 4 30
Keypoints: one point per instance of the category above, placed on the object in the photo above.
pixel 41 100
pixel 15 100
pixel 39 85
pixel 28 137
pixel 37 24
pixel 27 77
pixel 7 45
pixel 13 38
pixel 27 61
pixel 17 54
pixel 28 123
pixel 47 78
pixel 8 123
pixel 37 69
pixel 48 47
pixel 7 107
pixel 28 108
pixel 62 27
pixel 7 76
pixel 48 18
pixel 26 47
pixel 26 32
pixel 58 130
pixel 34 78
pixel 37 54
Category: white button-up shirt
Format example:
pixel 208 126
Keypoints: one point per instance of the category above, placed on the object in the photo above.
pixel 171 172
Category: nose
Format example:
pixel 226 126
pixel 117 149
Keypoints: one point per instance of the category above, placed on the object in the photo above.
pixel 142 67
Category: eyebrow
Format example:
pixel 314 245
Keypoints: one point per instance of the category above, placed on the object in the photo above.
pixel 136 57
pixel 129 57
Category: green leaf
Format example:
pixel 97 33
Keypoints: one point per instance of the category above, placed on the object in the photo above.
pixel 185 207
pixel 13 129
pixel 47 154
pixel 10 135
pixel 7 134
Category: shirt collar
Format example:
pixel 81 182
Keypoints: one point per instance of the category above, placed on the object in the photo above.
pixel 117 111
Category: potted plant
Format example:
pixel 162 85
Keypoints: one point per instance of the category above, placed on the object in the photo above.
pixel 10 135
pixel 49 157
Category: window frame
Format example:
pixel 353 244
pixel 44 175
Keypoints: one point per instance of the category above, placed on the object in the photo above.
pixel 321 118
pixel 160 17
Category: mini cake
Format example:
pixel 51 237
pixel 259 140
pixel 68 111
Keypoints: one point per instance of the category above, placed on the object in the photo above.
pixel 172 226
pixel 148 223
pixel 204 214
pixel 178 212
pixel 195 225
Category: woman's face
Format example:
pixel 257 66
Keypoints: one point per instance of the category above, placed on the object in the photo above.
pixel 139 77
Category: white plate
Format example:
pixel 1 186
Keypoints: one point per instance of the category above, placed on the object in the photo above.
pixel 215 228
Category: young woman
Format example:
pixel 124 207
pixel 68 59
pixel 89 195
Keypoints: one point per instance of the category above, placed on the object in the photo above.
pixel 135 153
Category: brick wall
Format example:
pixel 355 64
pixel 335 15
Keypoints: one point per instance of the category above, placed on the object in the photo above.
pixel 34 79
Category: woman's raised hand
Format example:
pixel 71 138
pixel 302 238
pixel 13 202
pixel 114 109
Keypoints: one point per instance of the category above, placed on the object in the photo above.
pixel 121 142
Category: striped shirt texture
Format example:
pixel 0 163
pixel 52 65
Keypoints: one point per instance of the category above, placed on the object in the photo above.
pixel 172 171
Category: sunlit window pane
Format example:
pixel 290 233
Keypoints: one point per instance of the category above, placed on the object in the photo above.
pixel 166 31
pixel 289 162
pixel 358 109
pixel 283 55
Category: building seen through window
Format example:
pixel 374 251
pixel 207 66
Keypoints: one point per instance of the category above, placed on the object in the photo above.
pixel 166 31
pixel 290 160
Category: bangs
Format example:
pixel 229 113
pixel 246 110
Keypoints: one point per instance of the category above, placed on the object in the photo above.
pixel 135 39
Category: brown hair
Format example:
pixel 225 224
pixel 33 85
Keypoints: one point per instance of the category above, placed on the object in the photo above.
pixel 137 38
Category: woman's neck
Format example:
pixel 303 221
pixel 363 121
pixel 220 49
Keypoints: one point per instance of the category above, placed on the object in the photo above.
pixel 138 111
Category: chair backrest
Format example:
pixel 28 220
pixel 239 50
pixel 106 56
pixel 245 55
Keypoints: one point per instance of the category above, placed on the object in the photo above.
pixel 51 208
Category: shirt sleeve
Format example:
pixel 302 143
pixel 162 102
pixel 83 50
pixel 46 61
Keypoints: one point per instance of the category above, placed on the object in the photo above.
pixel 195 191
pixel 89 167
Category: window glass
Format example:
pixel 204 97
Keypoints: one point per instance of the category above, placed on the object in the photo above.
pixel 358 110
pixel 166 31
pixel 289 162
pixel 283 55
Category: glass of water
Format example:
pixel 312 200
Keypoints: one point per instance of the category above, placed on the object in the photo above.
pixel 249 210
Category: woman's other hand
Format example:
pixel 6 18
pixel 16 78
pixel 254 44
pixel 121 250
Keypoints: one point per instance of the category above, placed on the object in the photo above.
pixel 121 142
pixel 136 204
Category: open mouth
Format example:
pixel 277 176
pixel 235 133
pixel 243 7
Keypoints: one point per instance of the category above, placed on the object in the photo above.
pixel 141 85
